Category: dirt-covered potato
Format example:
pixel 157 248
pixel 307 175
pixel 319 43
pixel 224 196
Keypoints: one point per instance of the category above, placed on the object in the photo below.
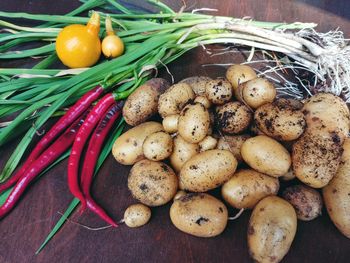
pixel 197 84
pixel 143 102
pixel 207 170
pixel 182 152
pixel 237 74
pixel 137 215
pixel 127 149
pixel 247 187
pixel 194 123
pixel 233 117
pixel 271 230
pixel 337 194
pixel 152 183
pixel 256 92
pixel 208 143
pixel 170 123
pixel 280 120
pixel 233 143
pixel 266 155
pixel 157 146
pixel 306 201
pixel 199 214
pixel 174 99
pixel 316 157
pixel 218 91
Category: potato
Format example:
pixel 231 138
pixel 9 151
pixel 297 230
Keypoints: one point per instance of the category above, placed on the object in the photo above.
pixel 306 201
pixel 203 100
pixel 208 143
pixel 316 157
pixel 170 123
pixel 194 123
pixel 179 194
pixel 174 99
pixel 280 120
pixel 290 175
pixel 247 187
pixel 182 152
pixel 157 146
pixel 233 117
pixel 137 215
pixel 237 74
pixel 199 214
pixel 207 170
pixel 337 194
pixel 197 84
pixel 266 155
pixel 152 183
pixel 218 91
pixel 271 230
pixel 127 149
pixel 256 92
pixel 233 143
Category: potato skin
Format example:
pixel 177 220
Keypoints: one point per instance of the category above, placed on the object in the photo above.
pixel 316 157
pixel 199 214
pixel 237 74
pixel 266 155
pixel 194 123
pixel 137 215
pixel 207 170
pixel 152 183
pixel 280 120
pixel 218 91
pixel 197 84
pixel 271 230
pixel 337 194
pixel 247 187
pixel 127 149
pixel 233 143
pixel 182 152
pixel 157 146
pixel 143 102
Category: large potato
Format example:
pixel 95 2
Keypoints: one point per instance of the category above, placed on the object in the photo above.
pixel 174 99
pixel 143 102
pixel 197 84
pixel 152 183
pixel 281 119
pixel 201 215
pixel 127 149
pixel 207 170
pixel 271 230
pixel 182 152
pixel 233 143
pixel 194 123
pixel 337 194
pixel 237 74
pixel 266 155
pixel 247 187
pixel 316 157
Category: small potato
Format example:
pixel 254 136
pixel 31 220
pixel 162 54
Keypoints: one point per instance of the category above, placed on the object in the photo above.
pixel 266 155
pixel 233 117
pixel 306 201
pixel 203 100
pixel 170 123
pixel 337 194
pixel 179 194
pixel 290 175
pixel 256 92
pixel 271 230
pixel 174 99
pixel 280 120
pixel 207 170
pixel 127 149
pixel 137 215
pixel 158 146
pixel 200 215
pixel 152 183
pixel 218 91
pixel 208 143
pixel 182 152
pixel 237 74
pixel 247 187
pixel 143 102
pixel 194 123
pixel 197 84
pixel 233 143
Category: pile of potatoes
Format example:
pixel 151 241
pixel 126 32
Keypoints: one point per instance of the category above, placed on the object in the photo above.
pixel 234 133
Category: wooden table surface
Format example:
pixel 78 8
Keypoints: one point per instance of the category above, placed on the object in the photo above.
pixel 27 226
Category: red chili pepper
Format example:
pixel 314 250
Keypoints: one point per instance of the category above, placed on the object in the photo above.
pixel 42 162
pixel 92 153
pixel 71 115
pixel 82 136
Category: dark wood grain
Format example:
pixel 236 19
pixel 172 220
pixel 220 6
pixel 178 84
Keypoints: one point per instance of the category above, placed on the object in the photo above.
pixel 26 227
